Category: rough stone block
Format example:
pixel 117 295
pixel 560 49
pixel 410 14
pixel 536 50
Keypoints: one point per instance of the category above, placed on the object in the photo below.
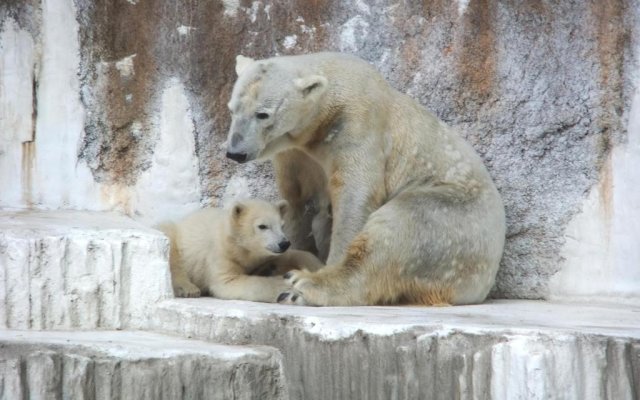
pixel 69 269
pixel 133 365
pixel 499 350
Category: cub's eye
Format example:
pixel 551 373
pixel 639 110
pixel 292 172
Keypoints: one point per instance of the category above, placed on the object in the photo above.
pixel 262 227
pixel 262 115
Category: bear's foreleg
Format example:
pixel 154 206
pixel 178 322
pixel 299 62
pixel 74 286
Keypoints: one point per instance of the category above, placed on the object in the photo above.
pixel 302 183
pixel 356 190
pixel 296 259
pixel 182 286
pixel 247 287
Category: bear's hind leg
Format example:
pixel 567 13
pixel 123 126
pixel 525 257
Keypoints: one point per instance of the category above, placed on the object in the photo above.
pixel 422 247
pixel 385 286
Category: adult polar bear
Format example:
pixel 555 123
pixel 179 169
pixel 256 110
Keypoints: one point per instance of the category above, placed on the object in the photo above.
pixel 416 218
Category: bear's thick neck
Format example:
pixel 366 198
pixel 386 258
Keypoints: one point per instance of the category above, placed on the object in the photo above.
pixel 329 124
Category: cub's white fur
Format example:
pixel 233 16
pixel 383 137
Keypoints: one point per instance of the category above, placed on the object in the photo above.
pixel 215 251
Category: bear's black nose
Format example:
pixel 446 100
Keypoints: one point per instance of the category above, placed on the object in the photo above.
pixel 284 245
pixel 239 157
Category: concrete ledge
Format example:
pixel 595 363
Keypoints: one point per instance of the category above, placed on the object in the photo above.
pixel 73 269
pixel 133 365
pixel 498 350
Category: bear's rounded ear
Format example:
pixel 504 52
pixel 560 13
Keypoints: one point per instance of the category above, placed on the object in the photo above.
pixel 237 210
pixel 311 86
pixel 242 63
pixel 283 206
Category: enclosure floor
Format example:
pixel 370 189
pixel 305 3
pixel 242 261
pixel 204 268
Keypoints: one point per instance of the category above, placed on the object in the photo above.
pixel 495 315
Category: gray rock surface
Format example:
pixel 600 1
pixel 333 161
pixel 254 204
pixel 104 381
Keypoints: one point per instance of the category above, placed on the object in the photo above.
pixel 500 350
pixel 542 90
pixel 133 365
pixel 498 71
pixel 82 270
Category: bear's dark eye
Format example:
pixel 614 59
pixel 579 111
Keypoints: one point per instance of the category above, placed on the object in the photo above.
pixel 262 115
pixel 262 227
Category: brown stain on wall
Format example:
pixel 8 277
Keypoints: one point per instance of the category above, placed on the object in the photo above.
pixel 29 146
pixel 117 142
pixel 605 186
pixel 27 166
pixel 203 60
pixel 476 52
pixel 210 67
pixel 612 38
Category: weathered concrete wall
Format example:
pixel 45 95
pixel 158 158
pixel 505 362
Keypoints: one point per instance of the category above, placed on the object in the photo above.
pixel 122 105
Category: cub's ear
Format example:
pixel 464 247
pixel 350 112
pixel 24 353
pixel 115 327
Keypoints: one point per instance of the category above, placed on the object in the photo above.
pixel 283 206
pixel 237 210
pixel 242 63
pixel 311 86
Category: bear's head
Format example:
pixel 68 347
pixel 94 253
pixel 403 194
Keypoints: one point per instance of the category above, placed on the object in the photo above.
pixel 272 102
pixel 256 226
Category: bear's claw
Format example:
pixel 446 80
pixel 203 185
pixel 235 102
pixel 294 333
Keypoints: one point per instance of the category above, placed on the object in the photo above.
pixel 282 297
pixel 291 297
pixel 296 278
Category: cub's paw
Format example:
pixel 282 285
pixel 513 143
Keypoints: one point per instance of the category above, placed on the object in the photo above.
pixel 186 289
pixel 291 297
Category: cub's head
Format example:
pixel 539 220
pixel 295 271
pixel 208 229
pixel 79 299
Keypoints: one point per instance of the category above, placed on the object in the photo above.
pixel 272 102
pixel 257 227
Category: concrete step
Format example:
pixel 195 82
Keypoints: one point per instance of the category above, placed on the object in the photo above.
pixel 133 365
pixel 498 350
pixel 82 270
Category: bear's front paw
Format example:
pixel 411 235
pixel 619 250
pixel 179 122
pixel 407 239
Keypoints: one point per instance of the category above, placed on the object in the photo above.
pixel 291 297
pixel 186 289
pixel 297 278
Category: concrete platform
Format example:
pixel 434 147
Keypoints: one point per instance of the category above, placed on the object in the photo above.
pixel 84 271
pixel 133 365
pixel 79 270
pixel 499 350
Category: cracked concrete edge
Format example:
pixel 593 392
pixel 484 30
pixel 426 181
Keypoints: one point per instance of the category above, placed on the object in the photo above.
pixel 330 355
pixel 83 270
pixel 135 365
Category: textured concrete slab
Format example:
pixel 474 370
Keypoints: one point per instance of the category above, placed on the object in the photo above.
pixel 73 269
pixel 498 350
pixel 133 365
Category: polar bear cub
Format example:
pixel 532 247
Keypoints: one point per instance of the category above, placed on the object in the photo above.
pixel 215 251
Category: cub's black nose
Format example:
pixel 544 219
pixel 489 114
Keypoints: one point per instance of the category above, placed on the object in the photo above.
pixel 284 245
pixel 239 157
